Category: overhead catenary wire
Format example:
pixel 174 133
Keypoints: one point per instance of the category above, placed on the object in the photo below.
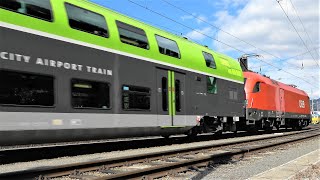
pixel 281 69
pixel 218 28
pixel 304 28
pixel 278 1
pixel 291 57
pixel 159 14
pixel 186 26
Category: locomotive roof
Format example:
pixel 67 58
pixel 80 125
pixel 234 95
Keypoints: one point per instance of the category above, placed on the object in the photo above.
pixel 191 53
pixel 260 78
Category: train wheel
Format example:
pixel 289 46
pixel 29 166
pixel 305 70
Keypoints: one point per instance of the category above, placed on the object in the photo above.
pixel 235 133
pixel 252 130
pixel 268 126
pixel 166 136
pixel 297 126
pixel 218 133
pixel 192 133
pixel 268 129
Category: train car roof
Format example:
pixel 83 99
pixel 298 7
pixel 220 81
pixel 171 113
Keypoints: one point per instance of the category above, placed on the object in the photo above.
pixel 191 53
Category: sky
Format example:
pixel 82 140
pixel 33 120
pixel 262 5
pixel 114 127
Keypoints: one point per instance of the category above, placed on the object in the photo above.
pixel 284 33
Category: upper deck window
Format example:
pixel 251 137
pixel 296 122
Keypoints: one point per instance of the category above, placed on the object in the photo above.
pixel 168 47
pixel 35 8
pixel 132 35
pixel 209 60
pixel 87 21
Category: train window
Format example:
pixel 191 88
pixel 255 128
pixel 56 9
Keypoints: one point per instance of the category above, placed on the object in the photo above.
pixel 178 95
pixel 233 94
pixel 90 94
pixel 209 60
pixel 35 8
pixel 87 21
pixel 164 84
pixel 256 87
pixel 168 47
pixel 132 35
pixel 26 89
pixel 135 98
pixel 212 85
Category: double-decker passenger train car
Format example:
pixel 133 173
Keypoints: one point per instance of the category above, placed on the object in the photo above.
pixel 72 70
pixel 273 104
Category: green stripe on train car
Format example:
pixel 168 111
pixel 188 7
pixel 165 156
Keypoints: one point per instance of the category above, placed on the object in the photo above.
pixel 169 93
pixel 173 94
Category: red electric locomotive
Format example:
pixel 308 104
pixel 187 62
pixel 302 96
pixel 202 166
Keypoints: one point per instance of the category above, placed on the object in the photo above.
pixel 270 103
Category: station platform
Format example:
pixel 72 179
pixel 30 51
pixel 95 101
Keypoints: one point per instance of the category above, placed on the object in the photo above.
pixel 290 169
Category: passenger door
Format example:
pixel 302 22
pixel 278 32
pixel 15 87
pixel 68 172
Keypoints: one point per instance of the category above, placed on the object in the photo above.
pixel 170 98
pixel 282 102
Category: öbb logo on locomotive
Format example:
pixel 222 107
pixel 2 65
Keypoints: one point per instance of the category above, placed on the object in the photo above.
pixel 301 104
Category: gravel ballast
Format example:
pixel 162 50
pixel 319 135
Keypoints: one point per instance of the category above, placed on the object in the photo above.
pixel 248 166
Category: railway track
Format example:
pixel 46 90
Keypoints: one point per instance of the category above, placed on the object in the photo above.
pixel 173 163
pixel 24 153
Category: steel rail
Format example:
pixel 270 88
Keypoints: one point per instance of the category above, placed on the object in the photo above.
pixel 65 170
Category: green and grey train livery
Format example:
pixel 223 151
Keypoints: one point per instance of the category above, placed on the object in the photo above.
pixel 72 70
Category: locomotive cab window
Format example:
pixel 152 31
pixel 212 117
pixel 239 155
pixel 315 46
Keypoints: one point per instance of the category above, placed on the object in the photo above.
pixel 209 60
pixel 35 8
pixel 26 89
pixel 135 98
pixel 256 87
pixel 132 35
pixel 87 21
pixel 212 85
pixel 168 47
pixel 90 94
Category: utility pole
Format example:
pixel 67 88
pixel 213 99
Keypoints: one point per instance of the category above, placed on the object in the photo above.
pixel 312 110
